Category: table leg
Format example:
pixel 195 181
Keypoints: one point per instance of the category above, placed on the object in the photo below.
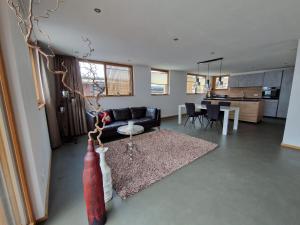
pixel 179 115
pixel 131 147
pixel 236 119
pixel 225 122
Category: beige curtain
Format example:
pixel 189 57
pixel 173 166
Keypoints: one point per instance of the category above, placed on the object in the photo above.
pixel 48 82
pixel 72 121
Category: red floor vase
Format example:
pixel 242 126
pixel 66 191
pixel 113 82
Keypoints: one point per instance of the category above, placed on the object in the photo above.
pixel 93 187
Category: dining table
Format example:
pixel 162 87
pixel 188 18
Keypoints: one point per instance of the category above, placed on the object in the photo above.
pixel 225 109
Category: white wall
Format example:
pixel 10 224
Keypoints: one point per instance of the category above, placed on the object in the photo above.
pixel 292 126
pixel 142 96
pixel 32 126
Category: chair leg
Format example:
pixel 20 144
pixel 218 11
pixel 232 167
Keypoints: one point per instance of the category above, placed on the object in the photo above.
pixel 186 120
pixel 199 118
pixel 209 122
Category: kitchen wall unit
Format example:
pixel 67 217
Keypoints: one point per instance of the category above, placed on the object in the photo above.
pixel 272 78
pixel 277 78
pixel 285 92
pixel 270 107
pixel 233 81
pixel 250 80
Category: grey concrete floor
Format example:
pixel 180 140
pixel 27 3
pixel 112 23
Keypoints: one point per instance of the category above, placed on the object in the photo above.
pixel 248 180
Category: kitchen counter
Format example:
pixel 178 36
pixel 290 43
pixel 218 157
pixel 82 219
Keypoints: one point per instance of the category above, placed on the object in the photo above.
pixel 251 109
pixel 235 99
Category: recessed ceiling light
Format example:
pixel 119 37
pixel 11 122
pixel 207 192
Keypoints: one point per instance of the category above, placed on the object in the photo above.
pixel 176 39
pixel 97 10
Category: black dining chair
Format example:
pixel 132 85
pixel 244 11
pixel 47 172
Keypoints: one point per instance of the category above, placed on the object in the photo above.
pixel 192 113
pixel 221 112
pixel 203 112
pixel 213 115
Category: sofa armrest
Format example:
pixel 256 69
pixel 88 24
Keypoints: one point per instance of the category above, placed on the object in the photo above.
pixel 158 117
pixel 155 114
pixel 91 120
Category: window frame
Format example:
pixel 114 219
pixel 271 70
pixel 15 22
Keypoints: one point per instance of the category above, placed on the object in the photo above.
pixel 37 77
pixel 215 84
pixel 168 85
pixel 105 76
pixel 196 75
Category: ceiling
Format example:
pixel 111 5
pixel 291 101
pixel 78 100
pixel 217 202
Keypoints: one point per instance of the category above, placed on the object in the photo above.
pixel 250 35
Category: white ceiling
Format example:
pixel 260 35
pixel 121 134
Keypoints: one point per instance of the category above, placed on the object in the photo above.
pixel 250 35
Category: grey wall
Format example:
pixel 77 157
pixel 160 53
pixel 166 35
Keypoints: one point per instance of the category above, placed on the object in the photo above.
pixel 142 96
pixel 291 132
pixel 32 125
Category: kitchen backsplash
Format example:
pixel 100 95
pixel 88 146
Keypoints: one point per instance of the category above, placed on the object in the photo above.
pixel 250 92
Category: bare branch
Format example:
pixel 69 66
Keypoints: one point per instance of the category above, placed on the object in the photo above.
pixel 28 25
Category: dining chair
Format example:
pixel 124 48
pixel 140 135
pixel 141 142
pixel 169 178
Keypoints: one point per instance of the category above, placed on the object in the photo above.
pixel 213 115
pixel 203 112
pixel 192 113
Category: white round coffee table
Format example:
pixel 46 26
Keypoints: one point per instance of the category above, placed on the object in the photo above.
pixel 136 129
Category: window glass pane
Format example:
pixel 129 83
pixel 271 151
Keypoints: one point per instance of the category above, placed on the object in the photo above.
pixel 223 84
pixel 92 75
pixel 118 80
pixel 159 77
pixel 190 81
pixel 195 84
pixel 159 82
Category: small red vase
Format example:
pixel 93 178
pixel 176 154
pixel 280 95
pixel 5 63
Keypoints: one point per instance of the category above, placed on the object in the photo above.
pixel 93 187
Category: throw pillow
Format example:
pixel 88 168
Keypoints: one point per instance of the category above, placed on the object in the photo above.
pixel 105 117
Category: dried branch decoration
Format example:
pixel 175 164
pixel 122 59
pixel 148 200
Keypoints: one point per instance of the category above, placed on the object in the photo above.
pixel 27 25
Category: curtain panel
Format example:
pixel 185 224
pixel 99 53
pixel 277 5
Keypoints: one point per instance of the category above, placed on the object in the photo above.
pixel 71 110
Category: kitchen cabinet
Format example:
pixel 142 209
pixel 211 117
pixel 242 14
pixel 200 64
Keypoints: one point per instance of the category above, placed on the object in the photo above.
pixel 233 81
pixel 242 81
pixel 285 92
pixel 251 80
pixel 270 107
pixel 272 78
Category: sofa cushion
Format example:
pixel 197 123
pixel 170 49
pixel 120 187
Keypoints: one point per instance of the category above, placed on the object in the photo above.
pixel 122 114
pixel 138 112
pixel 142 121
pixel 115 125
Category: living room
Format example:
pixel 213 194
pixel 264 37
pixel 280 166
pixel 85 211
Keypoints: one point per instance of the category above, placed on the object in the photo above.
pixel 190 118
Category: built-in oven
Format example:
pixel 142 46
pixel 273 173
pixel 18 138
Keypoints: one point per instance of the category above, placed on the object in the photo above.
pixel 271 92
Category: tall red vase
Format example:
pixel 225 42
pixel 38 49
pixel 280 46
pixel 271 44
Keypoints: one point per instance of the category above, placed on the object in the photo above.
pixel 93 187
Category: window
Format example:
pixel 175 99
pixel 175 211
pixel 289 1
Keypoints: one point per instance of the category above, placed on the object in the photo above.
pixel 36 73
pixel 113 79
pixel 195 84
pixel 221 82
pixel 159 82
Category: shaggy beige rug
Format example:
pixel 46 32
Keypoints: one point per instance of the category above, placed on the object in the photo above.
pixel 160 154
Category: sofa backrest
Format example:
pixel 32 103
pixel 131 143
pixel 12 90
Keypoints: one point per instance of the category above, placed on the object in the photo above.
pixel 125 114
pixel 122 114
pixel 138 112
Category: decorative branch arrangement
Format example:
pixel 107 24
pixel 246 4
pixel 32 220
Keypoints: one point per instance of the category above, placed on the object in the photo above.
pixel 30 23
